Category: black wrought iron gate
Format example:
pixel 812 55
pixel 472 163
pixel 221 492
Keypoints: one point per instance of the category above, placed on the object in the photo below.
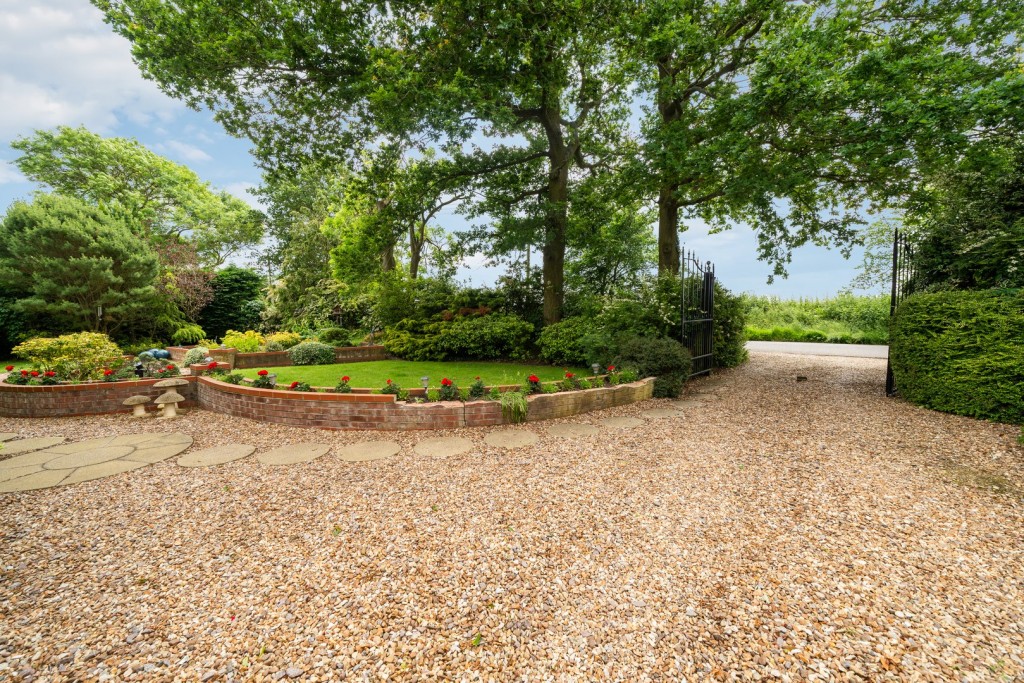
pixel 698 312
pixel 902 273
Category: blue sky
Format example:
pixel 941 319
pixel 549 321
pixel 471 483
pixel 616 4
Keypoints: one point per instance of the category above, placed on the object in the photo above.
pixel 61 65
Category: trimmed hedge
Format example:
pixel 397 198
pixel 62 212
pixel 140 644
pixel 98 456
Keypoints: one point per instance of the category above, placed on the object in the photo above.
pixel 962 353
pixel 311 353
pixel 489 337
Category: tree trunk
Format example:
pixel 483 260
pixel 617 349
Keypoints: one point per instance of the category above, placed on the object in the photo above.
pixel 415 247
pixel 559 159
pixel 387 259
pixel 668 230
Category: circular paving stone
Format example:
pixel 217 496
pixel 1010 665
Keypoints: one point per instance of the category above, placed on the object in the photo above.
pixel 29 445
pixel 293 454
pixel 621 422
pixel 443 447
pixel 7 436
pixel 87 457
pixel 656 413
pixel 684 404
pixel 368 450
pixel 218 455
pixel 512 438
pixel 572 430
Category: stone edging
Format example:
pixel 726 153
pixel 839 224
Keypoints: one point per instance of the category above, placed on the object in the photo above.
pixel 302 409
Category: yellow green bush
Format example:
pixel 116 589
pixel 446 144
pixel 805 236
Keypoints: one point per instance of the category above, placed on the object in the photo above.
pixel 246 342
pixel 285 339
pixel 74 357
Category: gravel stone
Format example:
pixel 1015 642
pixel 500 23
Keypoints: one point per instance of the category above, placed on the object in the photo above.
pixel 796 531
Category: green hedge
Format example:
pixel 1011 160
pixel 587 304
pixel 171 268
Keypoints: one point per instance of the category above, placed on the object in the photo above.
pixel 962 352
pixel 489 337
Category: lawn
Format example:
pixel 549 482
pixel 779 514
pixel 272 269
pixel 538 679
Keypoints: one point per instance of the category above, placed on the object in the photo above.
pixel 374 374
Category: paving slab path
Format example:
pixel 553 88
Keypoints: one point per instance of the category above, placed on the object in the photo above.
pixel 367 451
pixel 511 438
pixel 217 455
pixel 443 447
pixel 572 430
pixel 293 454
pixel 621 422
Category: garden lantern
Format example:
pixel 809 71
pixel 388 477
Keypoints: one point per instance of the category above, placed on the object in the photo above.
pixel 425 381
pixel 596 367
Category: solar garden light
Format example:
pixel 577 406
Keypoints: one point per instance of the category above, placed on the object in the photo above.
pixel 596 367
pixel 425 381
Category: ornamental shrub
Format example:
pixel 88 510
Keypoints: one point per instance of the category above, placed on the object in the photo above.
pixel 74 357
pixel 196 355
pixel 487 337
pixel 665 359
pixel 729 339
pixel 962 353
pixel 245 342
pixel 285 339
pixel 334 336
pixel 311 353
pixel 564 343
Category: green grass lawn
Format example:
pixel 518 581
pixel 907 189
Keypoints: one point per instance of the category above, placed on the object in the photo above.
pixel 16 362
pixel 373 374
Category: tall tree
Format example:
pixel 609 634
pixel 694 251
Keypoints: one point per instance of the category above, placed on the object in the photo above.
pixel 793 116
pixel 163 201
pixel 75 266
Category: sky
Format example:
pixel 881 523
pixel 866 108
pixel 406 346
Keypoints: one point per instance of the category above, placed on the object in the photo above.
pixel 61 65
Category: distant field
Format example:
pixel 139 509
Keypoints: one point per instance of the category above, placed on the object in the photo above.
pixel 838 320
pixel 374 374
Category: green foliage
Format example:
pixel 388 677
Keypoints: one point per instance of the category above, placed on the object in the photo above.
pixel 74 357
pixel 845 319
pixel 311 353
pixel 343 387
pixel 235 304
pixel 64 259
pixel 477 390
pixel 665 359
pixel 188 334
pixel 196 355
pixel 263 380
pixel 161 200
pixel 391 387
pixel 249 341
pixel 300 386
pixel 487 337
pixel 335 336
pixel 449 391
pixel 564 343
pixel 12 326
pixel 514 406
pixel 285 339
pixel 730 329
pixel 961 352
pixel 233 378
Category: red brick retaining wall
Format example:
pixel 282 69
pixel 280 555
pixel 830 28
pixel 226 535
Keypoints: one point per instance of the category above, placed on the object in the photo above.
pixel 91 398
pixel 275 359
pixel 300 409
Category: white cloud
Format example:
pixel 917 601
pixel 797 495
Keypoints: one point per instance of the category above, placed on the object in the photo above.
pixel 61 65
pixel 10 174
pixel 244 192
pixel 183 151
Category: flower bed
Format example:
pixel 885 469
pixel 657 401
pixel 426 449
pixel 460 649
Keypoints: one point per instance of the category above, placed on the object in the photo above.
pixel 245 361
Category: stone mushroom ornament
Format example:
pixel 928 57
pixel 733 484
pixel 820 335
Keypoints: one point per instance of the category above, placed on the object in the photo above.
pixel 169 384
pixel 138 404
pixel 169 402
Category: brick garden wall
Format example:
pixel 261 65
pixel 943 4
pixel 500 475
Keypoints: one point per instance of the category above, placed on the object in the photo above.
pixel 274 359
pixel 91 398
pixel 323 410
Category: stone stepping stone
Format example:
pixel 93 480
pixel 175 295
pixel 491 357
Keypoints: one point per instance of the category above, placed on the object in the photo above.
pixel 573 430
pixel 73 463
pixel 511 438
pixel 218 455
pixel 7 436
pixel 443 447
pixel 28 445
pixel 293 454
pixel 368 450
pixel 621 422
pixel 657 413
pixel 684 404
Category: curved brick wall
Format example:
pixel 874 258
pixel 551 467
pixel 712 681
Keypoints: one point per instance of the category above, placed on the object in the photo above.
pixel 300 409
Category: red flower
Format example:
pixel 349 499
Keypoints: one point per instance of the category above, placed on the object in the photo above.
pixel 446 382
pixel 9 368
pixel 611 368
pixel 108 372
pixel 569 375
pixel 389 381
pixel 35 373
pixel 170 367
pixel 533 378
pixel 478 377
pixel 212 366
pixel 294 384
pixel 262 373
pixel 51 373
pixel 24 373
pixel 345 378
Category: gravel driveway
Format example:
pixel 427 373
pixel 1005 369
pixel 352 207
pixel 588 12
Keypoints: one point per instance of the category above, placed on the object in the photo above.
pixel 790 530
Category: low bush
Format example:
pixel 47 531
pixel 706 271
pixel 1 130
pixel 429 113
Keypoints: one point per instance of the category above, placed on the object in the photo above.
pixel 285 340
pixel 962 353
pixel 311 353
pixel 335 336
pixel 196 355
pixel 74 357
pixel 564 343
pixel 665 359
pixel 476 338
pixel 188 333
pixel 245 342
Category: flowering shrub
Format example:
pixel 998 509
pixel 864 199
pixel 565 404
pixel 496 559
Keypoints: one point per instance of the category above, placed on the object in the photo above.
pixel 19 378
pixel 76 357
pixel 9 368
pixel 477 389
pixel 109 375
pixel 300 386
pixel 449 392
pixel 285 340
pixel 49 378
pixel 196 355
pixel 342 386
pixel 246 342
pixel 391 388
pixel 570 383
pixel 533 384
pixel 262 380
pixel 169 370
